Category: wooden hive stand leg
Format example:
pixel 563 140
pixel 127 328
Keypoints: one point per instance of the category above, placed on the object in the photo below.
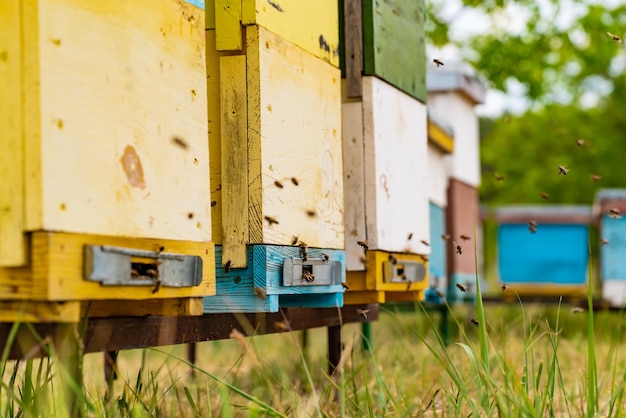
pixel 110 368
pixel 191 356
pixel 334 348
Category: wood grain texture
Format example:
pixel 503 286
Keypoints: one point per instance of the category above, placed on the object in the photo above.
pixel 268 269
pixel 311 25
pixel 235 289
pixel 56 271
pixel 353 33
pixel 395 166
pixel 118 144
pixel 38 312
pixel 394 44
pixel 360 297
pixel 354 183
pixel 234 156
pixel 12 244
pixel 153 307
pixel 294 123
pixel 228 24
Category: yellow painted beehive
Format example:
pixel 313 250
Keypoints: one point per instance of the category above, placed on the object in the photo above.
pixel 104 136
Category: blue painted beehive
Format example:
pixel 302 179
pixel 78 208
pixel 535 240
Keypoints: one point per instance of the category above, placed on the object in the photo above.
pixel 543 250
pixel 437 260
pixel 278 277
pixel 613 244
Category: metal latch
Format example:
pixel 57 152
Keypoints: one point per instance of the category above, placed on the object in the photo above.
pixel 129 267
pixel 312 272
pixel 401 271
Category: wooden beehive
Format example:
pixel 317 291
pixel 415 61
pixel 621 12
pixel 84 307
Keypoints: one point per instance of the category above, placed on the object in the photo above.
pixel 104 139
pixel 553 260
pixel 276 164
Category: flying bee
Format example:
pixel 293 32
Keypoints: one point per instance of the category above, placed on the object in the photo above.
pixel 410 236
pixel 271 221
pixel 294 240
pixel 295 181
pixel 311 213
pixel 363 244
pixel 437 62
pixel 393 259
pixel 503 287
pixel 459 250
pixel 460 287
pixel 325 257
pixel 178 141
pixel 278 184
pixel 499 177
pixel 281 326
pixel 474 321
pixel 307 276
pixel 595 177
pixel 580 142
pixel 465 238
pixel 614 213
pixel 345 286
pixel 544 195
pixel 614 37
pixel 260 293
pixel 604 241
pixel 157 286
pixel 445 237
pixel 362 312
pixel 577 309
pixel 227 266
pixel 440 294
pixel 562 170
pixel 425 242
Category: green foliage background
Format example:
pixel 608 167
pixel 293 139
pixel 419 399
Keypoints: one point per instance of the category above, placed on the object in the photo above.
pixel 561 66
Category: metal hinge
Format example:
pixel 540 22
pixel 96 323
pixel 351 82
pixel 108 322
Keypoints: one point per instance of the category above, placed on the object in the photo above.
pixel 129 267
pixel 402 271
pixel 312 272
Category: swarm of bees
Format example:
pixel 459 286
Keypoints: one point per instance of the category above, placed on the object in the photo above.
pixel 362 313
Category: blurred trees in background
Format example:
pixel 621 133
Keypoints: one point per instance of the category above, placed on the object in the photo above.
pixel 574 76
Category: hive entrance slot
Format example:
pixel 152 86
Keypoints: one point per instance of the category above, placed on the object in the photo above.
pixel 141 268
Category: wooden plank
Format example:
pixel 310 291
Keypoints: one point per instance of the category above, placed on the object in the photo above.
pixel 268 269
pixel 355 280
pixel 38 312
pixel 394 44
pixel 395 166
pixel 235 290
pixel 12 244
pixel 354 184
pixel 131 157
pixel 228 25
pixel 311 25
pixel 360 297
pixel 234 156
pixel 109 334
pixel 353 31
pixel 57 270
pixel 408 296
pixel 154 307
pixel 462 214
pixel 294 131
pixel 313 300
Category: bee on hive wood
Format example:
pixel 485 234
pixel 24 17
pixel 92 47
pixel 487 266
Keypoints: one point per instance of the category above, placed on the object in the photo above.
pixel 307 276
pixel 532 226
pixel 580 142
pixel 362 312
pixel 363 244
pixel 577 309
pixel 304 251
pixel 345 286
pixel 325 257
pixel 595 177
pixel 459 250
pixel 614 37
pixel 213 203
pixel 614 213
pixel 281 326
pixel 562 170
pixel 393 259
pixel 410 236
pixel 260 293
pixel 271 221
pixel 362 259
pixel 160 249
pixel 437 62
pixel 474 321
pixel 178 141
pixel 465 238
pixel 503 287
pixel 604 241
pixel 294 240
pixel 227 266
pixel 311 213
pixel 157 286
pixel 460 287
pixel 445 237
pixel 295 181
pixel 544 195
pixel 499 177
pixel 278 184
pixel 426 243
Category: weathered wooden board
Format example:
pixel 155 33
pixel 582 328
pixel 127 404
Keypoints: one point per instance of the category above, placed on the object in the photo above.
pixel 294 138
pixel 151 307
pixel 115 134
pixel 394 43
pixel 56 271
pixel 395 169
pixel 37 312
pixel 228 24
pixel 12 245
pixel 352 54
